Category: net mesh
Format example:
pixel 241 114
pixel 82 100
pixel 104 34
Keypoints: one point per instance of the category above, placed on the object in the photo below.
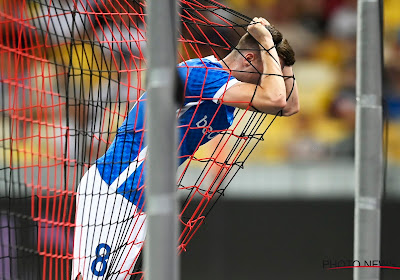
pixel 70 71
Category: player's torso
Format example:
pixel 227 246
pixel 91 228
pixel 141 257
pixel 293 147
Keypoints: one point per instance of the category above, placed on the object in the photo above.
pixel 199 120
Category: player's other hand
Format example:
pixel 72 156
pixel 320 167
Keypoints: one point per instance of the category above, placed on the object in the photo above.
pixel 257 29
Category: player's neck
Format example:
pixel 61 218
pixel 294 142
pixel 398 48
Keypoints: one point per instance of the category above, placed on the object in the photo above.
pixel 229 62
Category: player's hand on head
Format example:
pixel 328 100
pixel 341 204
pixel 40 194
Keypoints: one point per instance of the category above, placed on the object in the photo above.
pixel 264 21
pixel 257 29
pixel 261 20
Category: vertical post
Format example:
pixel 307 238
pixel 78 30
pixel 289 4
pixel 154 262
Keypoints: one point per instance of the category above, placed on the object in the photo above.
pixel 161 260
pixel 369 150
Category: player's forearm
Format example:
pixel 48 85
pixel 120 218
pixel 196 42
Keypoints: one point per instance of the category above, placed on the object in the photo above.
pixel 292 95
pixel 272 86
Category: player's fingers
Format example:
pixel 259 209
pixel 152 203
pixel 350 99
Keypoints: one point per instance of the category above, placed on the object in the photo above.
pixel 256 20
pixel 264 22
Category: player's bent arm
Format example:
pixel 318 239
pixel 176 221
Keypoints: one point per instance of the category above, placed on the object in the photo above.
pixel 250 96
pixel 268 97
pixel 292 104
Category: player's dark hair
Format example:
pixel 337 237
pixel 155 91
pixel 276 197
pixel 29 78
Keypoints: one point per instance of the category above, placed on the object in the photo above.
pixel 286 53
pixel 284 49
pixel 247 43
pixel 276 34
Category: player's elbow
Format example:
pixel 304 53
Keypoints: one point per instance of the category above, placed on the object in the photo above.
pixel 274 105
pixel 292 110
pixel 280 102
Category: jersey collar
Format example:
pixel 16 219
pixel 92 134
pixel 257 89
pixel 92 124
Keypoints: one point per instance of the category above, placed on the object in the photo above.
pixel 211 58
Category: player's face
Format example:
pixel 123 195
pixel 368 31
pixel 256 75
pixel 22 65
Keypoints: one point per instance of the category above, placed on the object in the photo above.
pixel 253 71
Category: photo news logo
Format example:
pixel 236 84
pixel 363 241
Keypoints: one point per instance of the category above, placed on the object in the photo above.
pixel 345 264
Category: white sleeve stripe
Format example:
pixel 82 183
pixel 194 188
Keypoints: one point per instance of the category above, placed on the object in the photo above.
pixel 223 89
pixel 183 110
pixel 129 170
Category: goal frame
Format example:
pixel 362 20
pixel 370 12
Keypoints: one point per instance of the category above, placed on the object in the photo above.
pixel 369 138
pixel 161 257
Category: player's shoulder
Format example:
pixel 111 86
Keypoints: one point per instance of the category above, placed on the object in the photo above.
pixel 201 71
pixel 205 62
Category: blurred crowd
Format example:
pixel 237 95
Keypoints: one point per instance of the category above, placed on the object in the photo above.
pixel 323 34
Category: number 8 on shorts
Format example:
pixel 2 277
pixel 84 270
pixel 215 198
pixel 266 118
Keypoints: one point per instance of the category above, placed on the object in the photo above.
pixel 99 265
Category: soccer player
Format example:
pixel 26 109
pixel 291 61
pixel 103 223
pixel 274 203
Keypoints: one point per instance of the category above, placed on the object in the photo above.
pixel 110 218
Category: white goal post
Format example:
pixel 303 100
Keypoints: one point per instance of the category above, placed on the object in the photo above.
pixel 161 260
pixel 369 138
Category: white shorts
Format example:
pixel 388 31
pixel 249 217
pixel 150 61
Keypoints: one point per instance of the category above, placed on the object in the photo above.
pixel 109 232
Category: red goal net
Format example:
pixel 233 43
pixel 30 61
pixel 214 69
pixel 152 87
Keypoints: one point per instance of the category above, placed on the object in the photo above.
pixel 70 72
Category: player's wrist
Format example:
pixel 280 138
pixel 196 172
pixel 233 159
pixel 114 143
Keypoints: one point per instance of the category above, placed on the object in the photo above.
pixel 287 70
pixel 267 43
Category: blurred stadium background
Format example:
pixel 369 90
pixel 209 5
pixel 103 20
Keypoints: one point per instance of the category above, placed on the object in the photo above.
pixel 292 206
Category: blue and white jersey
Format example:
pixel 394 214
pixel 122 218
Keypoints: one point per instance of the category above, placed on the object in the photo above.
pixel 200 119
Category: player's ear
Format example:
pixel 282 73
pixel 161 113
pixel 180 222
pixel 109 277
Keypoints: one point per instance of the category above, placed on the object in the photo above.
pixel 250 57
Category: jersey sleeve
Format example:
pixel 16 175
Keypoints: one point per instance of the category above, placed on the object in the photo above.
pixel 209 81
